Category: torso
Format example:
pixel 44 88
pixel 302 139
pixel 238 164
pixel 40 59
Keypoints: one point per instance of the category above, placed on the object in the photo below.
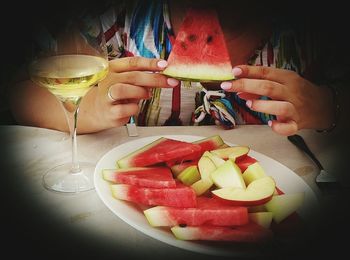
pixel 249 40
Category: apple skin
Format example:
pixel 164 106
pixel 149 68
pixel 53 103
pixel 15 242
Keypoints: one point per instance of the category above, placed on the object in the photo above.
pixel 232 152
pixel 253 172
pixel 228 175
pixel 258 192
pixel 284 205
pixel 263 219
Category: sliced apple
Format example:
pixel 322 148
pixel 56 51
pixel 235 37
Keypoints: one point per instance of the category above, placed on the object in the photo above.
pixel 216 159
pixel 205 167
pixel 284 205
pixel 258 192
pixel 253 172
pixel 190 175
pixel 232 152
pixel 228 175
pixel 263 219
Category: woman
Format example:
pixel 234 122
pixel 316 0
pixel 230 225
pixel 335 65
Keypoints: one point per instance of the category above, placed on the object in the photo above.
pixel 274 84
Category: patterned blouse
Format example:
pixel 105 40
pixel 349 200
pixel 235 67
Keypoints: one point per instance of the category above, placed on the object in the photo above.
pixel 143 28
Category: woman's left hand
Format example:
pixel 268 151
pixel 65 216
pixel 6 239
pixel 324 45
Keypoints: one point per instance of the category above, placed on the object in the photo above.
pixel 296 102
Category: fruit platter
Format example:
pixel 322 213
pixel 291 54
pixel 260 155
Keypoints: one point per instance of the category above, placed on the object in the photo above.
pixel 202 193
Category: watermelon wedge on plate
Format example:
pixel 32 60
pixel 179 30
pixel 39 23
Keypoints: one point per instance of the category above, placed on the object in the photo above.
pixel 200 52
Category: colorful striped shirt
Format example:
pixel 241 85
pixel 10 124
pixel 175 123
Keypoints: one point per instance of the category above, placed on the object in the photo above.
pixel 143 28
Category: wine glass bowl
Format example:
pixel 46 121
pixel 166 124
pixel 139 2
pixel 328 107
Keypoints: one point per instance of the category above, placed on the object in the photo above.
pixel 68 63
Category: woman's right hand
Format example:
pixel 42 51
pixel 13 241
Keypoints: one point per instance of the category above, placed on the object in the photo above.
pixel 116 98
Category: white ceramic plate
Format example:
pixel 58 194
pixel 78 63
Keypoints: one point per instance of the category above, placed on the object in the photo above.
pixel 286 180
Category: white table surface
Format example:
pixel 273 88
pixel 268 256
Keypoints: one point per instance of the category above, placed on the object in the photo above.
pixel 30 151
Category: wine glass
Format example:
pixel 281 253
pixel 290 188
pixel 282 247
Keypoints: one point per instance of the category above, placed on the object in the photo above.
pixel 69 62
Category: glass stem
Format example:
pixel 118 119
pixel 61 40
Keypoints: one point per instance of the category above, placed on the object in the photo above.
pixel 71 112
pixel 75 162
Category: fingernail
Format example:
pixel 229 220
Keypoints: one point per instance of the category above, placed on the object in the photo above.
pixel 249 103
pixel 269 123
pixel 226 85
pixel 162 64
pixel 172 82
pixel 237 71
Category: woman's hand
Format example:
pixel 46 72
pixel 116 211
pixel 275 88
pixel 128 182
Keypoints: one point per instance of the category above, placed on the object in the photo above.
pixel 296 102
pixel 129 80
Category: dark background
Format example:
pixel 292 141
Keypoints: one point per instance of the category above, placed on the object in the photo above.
pixel 21 234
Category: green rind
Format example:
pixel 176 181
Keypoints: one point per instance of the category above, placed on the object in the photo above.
pixel 189 175
pixel 120 191
pixel 158 217
pixel 108 174
pixel 201 186
pixel 214 138
pixel 179 233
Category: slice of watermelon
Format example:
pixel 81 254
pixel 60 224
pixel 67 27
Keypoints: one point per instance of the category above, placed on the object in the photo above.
pixel 161 150
pixel 200 52
pixel 207 212
pixel 206 144
pixel 151 177
pixel 248 233
pixel 180 196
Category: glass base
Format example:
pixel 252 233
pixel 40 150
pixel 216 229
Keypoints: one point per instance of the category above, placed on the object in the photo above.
pixel 61 179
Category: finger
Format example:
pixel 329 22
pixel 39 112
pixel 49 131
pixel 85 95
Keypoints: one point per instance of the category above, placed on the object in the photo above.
pixel 121 91
pixel 263 72
pixel 137 64
pixel 283 109
pixel 247 96
pixel 120 111
pixel 255 86
pixel 122 121
pixel 144 79
pixel 284 128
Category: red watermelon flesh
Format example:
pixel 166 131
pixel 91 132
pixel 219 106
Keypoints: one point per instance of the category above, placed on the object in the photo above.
pixel 180 196
pixel 244 162
pixel 207 212
pixel 159 151
pixel 151 177
pixel 206 144
pixel 246 233
pixel 200 52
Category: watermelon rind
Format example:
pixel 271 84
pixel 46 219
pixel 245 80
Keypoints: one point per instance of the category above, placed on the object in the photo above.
pixel 177 73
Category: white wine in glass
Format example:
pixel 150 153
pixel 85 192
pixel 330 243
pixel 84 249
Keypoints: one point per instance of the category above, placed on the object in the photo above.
pixel 74 61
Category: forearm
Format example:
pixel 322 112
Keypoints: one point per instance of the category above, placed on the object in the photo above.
pixel 35 106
